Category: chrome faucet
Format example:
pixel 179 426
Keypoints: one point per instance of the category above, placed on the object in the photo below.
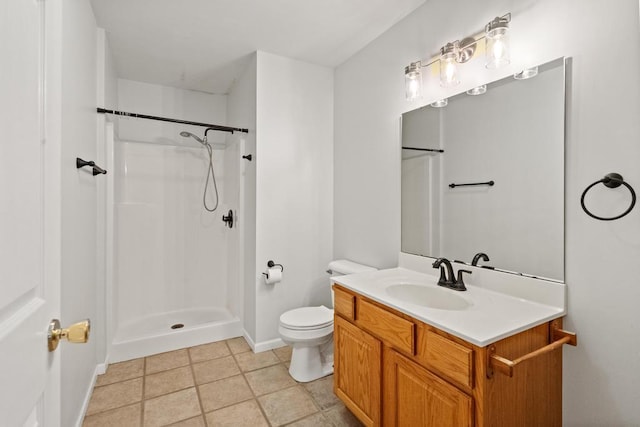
pixel 478 257
pixel 447 276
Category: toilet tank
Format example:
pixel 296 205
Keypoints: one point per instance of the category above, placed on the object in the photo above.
pixel 341 267
pixel 344 266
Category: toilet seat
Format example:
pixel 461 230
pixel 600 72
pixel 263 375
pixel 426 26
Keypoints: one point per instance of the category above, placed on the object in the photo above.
pixel 307 318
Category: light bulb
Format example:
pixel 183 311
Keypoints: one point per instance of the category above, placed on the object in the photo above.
pixel 497 42
pixel 449 65
pixel 413 81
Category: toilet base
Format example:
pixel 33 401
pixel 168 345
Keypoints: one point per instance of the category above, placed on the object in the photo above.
pixel 308 362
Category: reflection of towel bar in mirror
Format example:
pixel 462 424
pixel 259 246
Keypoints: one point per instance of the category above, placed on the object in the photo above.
pixel 432 150
pixel 489 183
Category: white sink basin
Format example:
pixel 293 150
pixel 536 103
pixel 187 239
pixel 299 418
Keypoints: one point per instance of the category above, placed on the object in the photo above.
pixel 428 296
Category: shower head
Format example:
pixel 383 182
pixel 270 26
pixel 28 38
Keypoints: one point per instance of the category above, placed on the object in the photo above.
pixel 189 134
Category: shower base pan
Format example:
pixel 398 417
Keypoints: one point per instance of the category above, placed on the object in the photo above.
pixel 171 331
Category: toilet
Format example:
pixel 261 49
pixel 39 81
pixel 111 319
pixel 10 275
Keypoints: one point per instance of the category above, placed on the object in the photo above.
pixel 309 331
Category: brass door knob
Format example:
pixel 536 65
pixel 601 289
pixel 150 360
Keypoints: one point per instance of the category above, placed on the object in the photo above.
pixel 77 333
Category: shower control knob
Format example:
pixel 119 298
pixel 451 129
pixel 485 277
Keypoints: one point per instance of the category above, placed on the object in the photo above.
pixel 228 219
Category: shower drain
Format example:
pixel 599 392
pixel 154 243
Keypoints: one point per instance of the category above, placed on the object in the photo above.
pixel 177 326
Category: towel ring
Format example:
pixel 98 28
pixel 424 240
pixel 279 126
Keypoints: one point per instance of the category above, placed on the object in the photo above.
pixel 611 180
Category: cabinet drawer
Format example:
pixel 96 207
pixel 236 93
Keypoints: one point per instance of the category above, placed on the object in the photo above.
pixel 447 357
pixel 391 328
pixel 344 303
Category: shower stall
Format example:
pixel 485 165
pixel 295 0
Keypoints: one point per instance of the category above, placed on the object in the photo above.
pixel 173 264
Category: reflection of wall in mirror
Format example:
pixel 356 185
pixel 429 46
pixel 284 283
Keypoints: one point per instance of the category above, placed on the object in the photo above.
pixel 421 193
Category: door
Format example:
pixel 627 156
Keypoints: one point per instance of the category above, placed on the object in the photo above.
pixel 415 397
pixel 29 220
pixel 357 370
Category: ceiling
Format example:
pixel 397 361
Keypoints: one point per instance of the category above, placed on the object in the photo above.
pixel 204 44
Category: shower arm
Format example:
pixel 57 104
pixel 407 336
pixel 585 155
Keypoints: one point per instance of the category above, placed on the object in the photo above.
pixel 222 129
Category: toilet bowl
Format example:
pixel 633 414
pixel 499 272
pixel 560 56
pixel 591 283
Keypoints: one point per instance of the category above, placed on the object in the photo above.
pixel 309 331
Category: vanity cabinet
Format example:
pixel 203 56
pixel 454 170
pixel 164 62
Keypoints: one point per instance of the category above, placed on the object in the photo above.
pixel 413 396
pixel 393 370
pixel 359 360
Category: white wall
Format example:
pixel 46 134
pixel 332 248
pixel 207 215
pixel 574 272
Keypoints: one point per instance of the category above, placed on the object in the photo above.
pixel 241 112
pixel 294 184
pixel 601 374
pixel 164 101
pixel 79 201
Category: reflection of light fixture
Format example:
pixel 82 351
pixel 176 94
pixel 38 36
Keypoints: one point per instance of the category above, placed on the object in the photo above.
pixel 440 103
pixel 449 65
pixel 479 90
pixel 497 42
pixel 413 81
pixel 527 73
pixel 459 52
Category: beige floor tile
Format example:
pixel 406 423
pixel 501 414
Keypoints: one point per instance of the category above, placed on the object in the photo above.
pixel 167 381
pixel 270 379
pixel 171 408
pixel 287 405
pixel 215 369
pixel 245 414
pixel 115 395
pixel 122 371
pixel 340 416
pixel 209 351
pixel 225 392
pixel 283 353
pixel 321 392
pixel 238 345
pixel 315 420
pixel 127 416
pixel 250 361
pixel 191 422
pixel 165 361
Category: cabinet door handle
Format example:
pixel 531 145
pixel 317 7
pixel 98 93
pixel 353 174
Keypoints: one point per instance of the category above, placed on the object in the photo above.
pixel 506 366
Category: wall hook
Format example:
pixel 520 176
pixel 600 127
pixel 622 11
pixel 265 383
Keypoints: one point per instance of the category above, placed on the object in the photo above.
pixel 97 170
pixel 247 157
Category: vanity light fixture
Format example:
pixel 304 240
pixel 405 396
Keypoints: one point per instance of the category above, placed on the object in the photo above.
pixel 460 51
pixel 478 90
pixel 449 64
pixel 440 103
pixel 527 73
pixel 497 42
pixel 413 80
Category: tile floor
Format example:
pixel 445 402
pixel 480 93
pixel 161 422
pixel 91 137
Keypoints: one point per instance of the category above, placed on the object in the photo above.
pixel 218 384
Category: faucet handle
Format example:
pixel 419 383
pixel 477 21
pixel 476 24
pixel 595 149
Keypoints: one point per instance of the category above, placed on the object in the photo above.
pixel 460 280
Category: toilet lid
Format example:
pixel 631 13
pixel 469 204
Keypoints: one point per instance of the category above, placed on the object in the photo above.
pixel 307 318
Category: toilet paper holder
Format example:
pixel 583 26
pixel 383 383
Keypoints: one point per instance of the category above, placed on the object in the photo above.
pixel 271 264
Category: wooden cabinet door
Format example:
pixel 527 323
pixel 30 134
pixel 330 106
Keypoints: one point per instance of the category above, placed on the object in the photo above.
pixel 357 371
pixel 415 397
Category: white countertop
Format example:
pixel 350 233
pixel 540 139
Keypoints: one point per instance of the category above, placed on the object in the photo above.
pixel 490 317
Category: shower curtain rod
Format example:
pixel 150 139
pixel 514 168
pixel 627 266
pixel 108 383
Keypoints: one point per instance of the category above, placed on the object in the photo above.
pixel 165 119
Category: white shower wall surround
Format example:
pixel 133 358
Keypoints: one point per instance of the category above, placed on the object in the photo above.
pixel 172 259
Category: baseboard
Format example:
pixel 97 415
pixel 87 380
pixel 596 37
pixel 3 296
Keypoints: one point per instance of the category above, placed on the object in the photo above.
pixel 268 345
pixel 100 369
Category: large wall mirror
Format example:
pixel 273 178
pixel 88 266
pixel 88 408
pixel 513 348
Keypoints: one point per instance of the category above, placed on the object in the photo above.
pixel 508 143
